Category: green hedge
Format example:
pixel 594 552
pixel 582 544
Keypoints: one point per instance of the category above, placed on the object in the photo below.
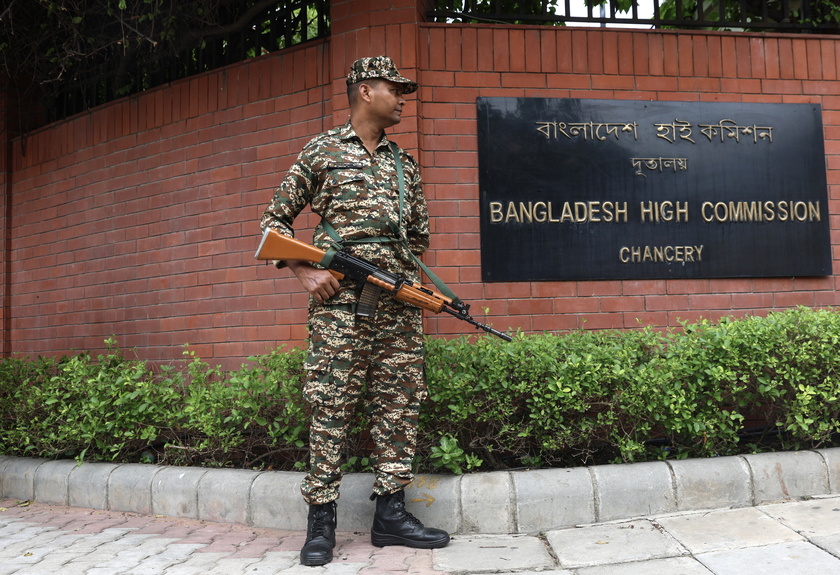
pixel 586 397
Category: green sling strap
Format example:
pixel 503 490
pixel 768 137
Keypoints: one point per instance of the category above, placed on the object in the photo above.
pixel 337 241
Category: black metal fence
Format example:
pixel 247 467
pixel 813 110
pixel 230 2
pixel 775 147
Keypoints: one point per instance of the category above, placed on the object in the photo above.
pixel 288 23
pixel 795 16
pixel 117 74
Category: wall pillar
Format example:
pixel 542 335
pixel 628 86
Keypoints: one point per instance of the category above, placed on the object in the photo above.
pixel 7 106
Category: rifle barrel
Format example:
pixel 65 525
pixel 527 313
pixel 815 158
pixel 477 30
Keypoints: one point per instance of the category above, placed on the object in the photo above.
pixel 469 319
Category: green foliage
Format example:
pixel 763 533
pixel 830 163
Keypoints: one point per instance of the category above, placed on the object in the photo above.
pixel 585 397
pixel 554 398
pixel 80 54
pixel 600 396
pixel 119 409
pixel 449 455
pixel 243 417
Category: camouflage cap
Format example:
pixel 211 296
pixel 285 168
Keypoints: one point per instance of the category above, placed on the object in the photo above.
pixel 378 67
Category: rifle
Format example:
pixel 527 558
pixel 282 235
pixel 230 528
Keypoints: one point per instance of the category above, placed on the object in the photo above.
pixel 277 246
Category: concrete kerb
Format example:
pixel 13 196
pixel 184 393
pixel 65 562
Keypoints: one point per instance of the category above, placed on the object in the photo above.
pixel 523 502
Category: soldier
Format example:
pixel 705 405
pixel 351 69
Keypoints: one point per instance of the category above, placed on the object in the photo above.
pixel 369 195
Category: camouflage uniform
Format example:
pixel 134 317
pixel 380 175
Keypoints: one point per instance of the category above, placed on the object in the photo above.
pixel 379 360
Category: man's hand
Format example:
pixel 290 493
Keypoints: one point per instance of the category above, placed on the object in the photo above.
pixel 320 283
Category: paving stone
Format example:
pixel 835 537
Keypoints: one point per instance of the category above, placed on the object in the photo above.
pixel 493 554
pixel 817 517
pixel 726 529
pixel 670 566
pixel 613 543
pixel 798 557
pixel 830 543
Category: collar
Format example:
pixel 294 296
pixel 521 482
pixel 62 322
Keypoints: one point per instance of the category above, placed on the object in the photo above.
pixel 347 133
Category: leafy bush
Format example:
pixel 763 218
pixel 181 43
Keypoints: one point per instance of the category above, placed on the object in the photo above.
pixel 585 397
pixel 119 409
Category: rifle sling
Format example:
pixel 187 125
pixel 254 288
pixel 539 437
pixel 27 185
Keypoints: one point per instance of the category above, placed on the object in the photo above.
pixel 337 241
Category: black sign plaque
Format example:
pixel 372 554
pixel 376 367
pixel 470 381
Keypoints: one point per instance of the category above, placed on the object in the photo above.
pixel 603 189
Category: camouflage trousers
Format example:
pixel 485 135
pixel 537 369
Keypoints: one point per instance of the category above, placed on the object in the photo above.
pixel 378 363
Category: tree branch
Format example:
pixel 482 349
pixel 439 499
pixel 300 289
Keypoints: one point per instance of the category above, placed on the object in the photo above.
pixel 243 21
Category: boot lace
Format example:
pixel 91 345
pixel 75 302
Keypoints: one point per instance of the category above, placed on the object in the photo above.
pixel 319 523
pixel 405 515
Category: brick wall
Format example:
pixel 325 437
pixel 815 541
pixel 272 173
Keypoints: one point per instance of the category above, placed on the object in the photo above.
pixel 139 219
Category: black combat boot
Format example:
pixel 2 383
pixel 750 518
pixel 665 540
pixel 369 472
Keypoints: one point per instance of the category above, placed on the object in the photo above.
pixel 320 535
pixel 393 525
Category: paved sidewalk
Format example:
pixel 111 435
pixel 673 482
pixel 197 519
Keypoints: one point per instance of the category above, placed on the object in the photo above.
pixel 791 538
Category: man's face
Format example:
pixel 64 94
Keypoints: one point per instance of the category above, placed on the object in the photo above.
pixel 387 101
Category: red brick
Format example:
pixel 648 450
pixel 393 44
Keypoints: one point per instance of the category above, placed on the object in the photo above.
pixel 577 305
pixel 635 320
pixel 639 53
pixel 657 55
pixel 787 300
pixel 469 49
pixel 751 301
pixel 623 304
pixel 670 55
pixel 699 84
pixel 564 52
pixel 617 83
pixel 685 50
pixel 808 55
pixel 626 58
pixel 603 321
pixel 729 57
pixel 611 54
pixel 547 54
pixel 800 59
pixel 595 50
pixel 829 60
pixel 553 289
pixel 710 301
pixel 554 323
pixel 579 51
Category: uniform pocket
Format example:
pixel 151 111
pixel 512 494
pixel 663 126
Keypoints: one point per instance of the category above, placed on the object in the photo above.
pixel 318 388
pixel 328 380
pixel 345 186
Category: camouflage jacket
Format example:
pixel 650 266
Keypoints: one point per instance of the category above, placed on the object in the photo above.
pixel 358 194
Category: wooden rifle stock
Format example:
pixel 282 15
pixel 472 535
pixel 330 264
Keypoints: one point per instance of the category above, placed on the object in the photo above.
pixel 277 246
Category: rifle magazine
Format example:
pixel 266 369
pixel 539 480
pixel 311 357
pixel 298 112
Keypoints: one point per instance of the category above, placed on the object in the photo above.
pixel 368 300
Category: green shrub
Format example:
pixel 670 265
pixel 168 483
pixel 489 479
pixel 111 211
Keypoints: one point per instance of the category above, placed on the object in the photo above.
pixel 756 383
pixel 106 409
pixel 242 417
pixel 585 397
